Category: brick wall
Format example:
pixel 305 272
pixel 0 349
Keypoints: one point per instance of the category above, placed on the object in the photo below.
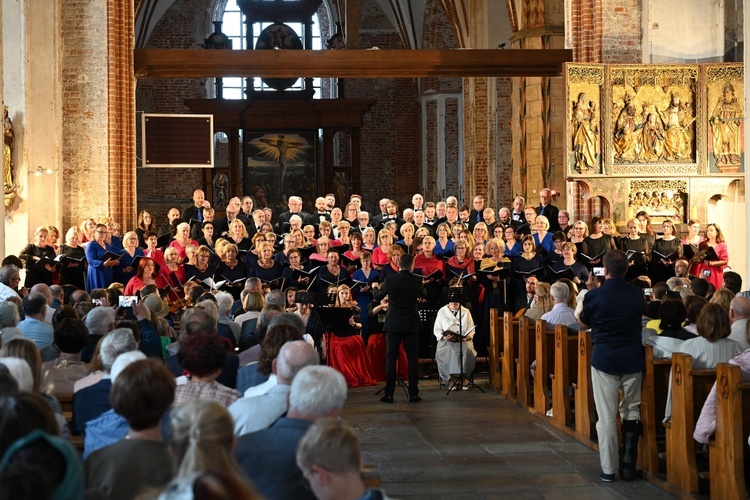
pixel 621 31
pixel 183 26
pixel 83 25
pixel 504 138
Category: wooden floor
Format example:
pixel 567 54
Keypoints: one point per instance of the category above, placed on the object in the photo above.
pixel 473 445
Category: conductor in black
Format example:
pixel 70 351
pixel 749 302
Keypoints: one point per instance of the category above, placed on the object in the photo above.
pixel 404 290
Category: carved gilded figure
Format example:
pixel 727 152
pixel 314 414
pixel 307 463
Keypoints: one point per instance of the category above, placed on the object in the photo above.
pixel 725 121
pixel 627 140
pixel 652 139
pixel 585 134
pixel 9 138
pixel 677 120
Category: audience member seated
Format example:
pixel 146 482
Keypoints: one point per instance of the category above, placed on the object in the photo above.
pixel 251 345
pixel 330 459
pixel 711 347
pixel 256 378
pixel 33 326
pixel 267 457
pixel 59 375
pixel 92 401
pixel 142 393
pixel 259 412
pixel 739 312
pixel 202 442
pixel 41 465
pixel 99 321
pixel 9 320
pixel 540 300
pixel 203 357
pixel 224 301
pixel 673 314
pixel 561 313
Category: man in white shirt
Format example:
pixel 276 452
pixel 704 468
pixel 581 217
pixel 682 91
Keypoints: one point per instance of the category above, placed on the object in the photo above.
pixel 259 412
pixel 561 313
pixel 739 312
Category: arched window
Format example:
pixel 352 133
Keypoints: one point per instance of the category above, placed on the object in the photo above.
pixel 234 27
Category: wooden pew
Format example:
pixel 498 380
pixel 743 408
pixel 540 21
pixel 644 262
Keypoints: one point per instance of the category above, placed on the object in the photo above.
pixel 544 366
pixel 585 421
pixel 66 403
pixel 726 450
pixel 510 334
pixel 654 390
pixel 565 370
pixel 524 357
pixel 496 349
pixel 690 388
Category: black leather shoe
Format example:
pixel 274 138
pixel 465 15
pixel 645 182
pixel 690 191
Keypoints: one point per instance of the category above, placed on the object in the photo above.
pixel 414 399
pixel 386 399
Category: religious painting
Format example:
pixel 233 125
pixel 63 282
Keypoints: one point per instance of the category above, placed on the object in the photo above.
pixel 725 103
pixel 584 119
pixel 278 165
pixel 653 121
pixel 660 199
pixel 220 188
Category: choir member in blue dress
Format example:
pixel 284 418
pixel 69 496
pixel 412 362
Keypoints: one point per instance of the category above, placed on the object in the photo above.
pixel 363 279
pixel 512 245
pixel 542 237
pixel 128 265
pixel 100 273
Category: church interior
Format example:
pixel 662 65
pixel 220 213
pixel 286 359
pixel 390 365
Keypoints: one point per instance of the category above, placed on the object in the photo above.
pixel 617 106
pixel 78 78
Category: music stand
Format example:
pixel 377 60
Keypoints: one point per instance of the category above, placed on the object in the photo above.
pixel 457 294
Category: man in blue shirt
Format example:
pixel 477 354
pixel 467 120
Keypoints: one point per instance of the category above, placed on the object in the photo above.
pixel 613 312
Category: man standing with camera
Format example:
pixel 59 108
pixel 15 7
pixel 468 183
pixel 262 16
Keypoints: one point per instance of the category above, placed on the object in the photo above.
pixel 613 312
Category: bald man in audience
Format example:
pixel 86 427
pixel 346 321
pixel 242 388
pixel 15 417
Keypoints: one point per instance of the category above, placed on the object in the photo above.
pixel 45 291
pixel 739 313
pixel 259 412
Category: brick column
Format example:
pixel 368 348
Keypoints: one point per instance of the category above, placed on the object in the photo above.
pixel 121 111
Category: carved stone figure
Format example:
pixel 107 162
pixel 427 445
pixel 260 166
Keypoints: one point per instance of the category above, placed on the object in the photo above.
pixel 677 120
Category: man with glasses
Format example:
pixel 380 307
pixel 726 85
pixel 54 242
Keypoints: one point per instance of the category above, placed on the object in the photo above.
pixel 10 278
pixel 563 220
pixel 363 222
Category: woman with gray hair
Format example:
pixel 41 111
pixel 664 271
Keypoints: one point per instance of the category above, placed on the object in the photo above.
pixel 8 322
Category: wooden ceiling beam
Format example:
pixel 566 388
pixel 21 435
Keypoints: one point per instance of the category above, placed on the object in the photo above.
pixel 349 63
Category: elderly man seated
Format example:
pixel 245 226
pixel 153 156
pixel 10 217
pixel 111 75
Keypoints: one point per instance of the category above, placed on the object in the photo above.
pixel 561 313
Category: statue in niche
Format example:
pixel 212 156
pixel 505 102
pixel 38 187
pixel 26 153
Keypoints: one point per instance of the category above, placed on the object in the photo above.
pixel 627 140
pixel 677 137
pixel 221 190
pixel 725 124
pixel 585 134
pixel 9 138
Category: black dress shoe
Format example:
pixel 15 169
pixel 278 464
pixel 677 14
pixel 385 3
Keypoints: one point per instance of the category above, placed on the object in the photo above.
pixel 414 399
pixel 386 399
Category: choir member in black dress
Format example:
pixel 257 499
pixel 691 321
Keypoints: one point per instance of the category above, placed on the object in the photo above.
pixel 644 228
pixel 529 263
pixel 596 244
pixel 32 254
pixel 266 268
pixel 579 233
pixel 232 270
pixel 637 249
pixel 73 270
pixel 555 256
pixel 497 291
pixel 207 238
pixel 609 228
pixel 512 245
pixel 667 250
pixel 238 235
pixel 145 224
pixel 461 265
pixel 332 273
pixel 568 267
pixel 202 268
pixel 291 274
